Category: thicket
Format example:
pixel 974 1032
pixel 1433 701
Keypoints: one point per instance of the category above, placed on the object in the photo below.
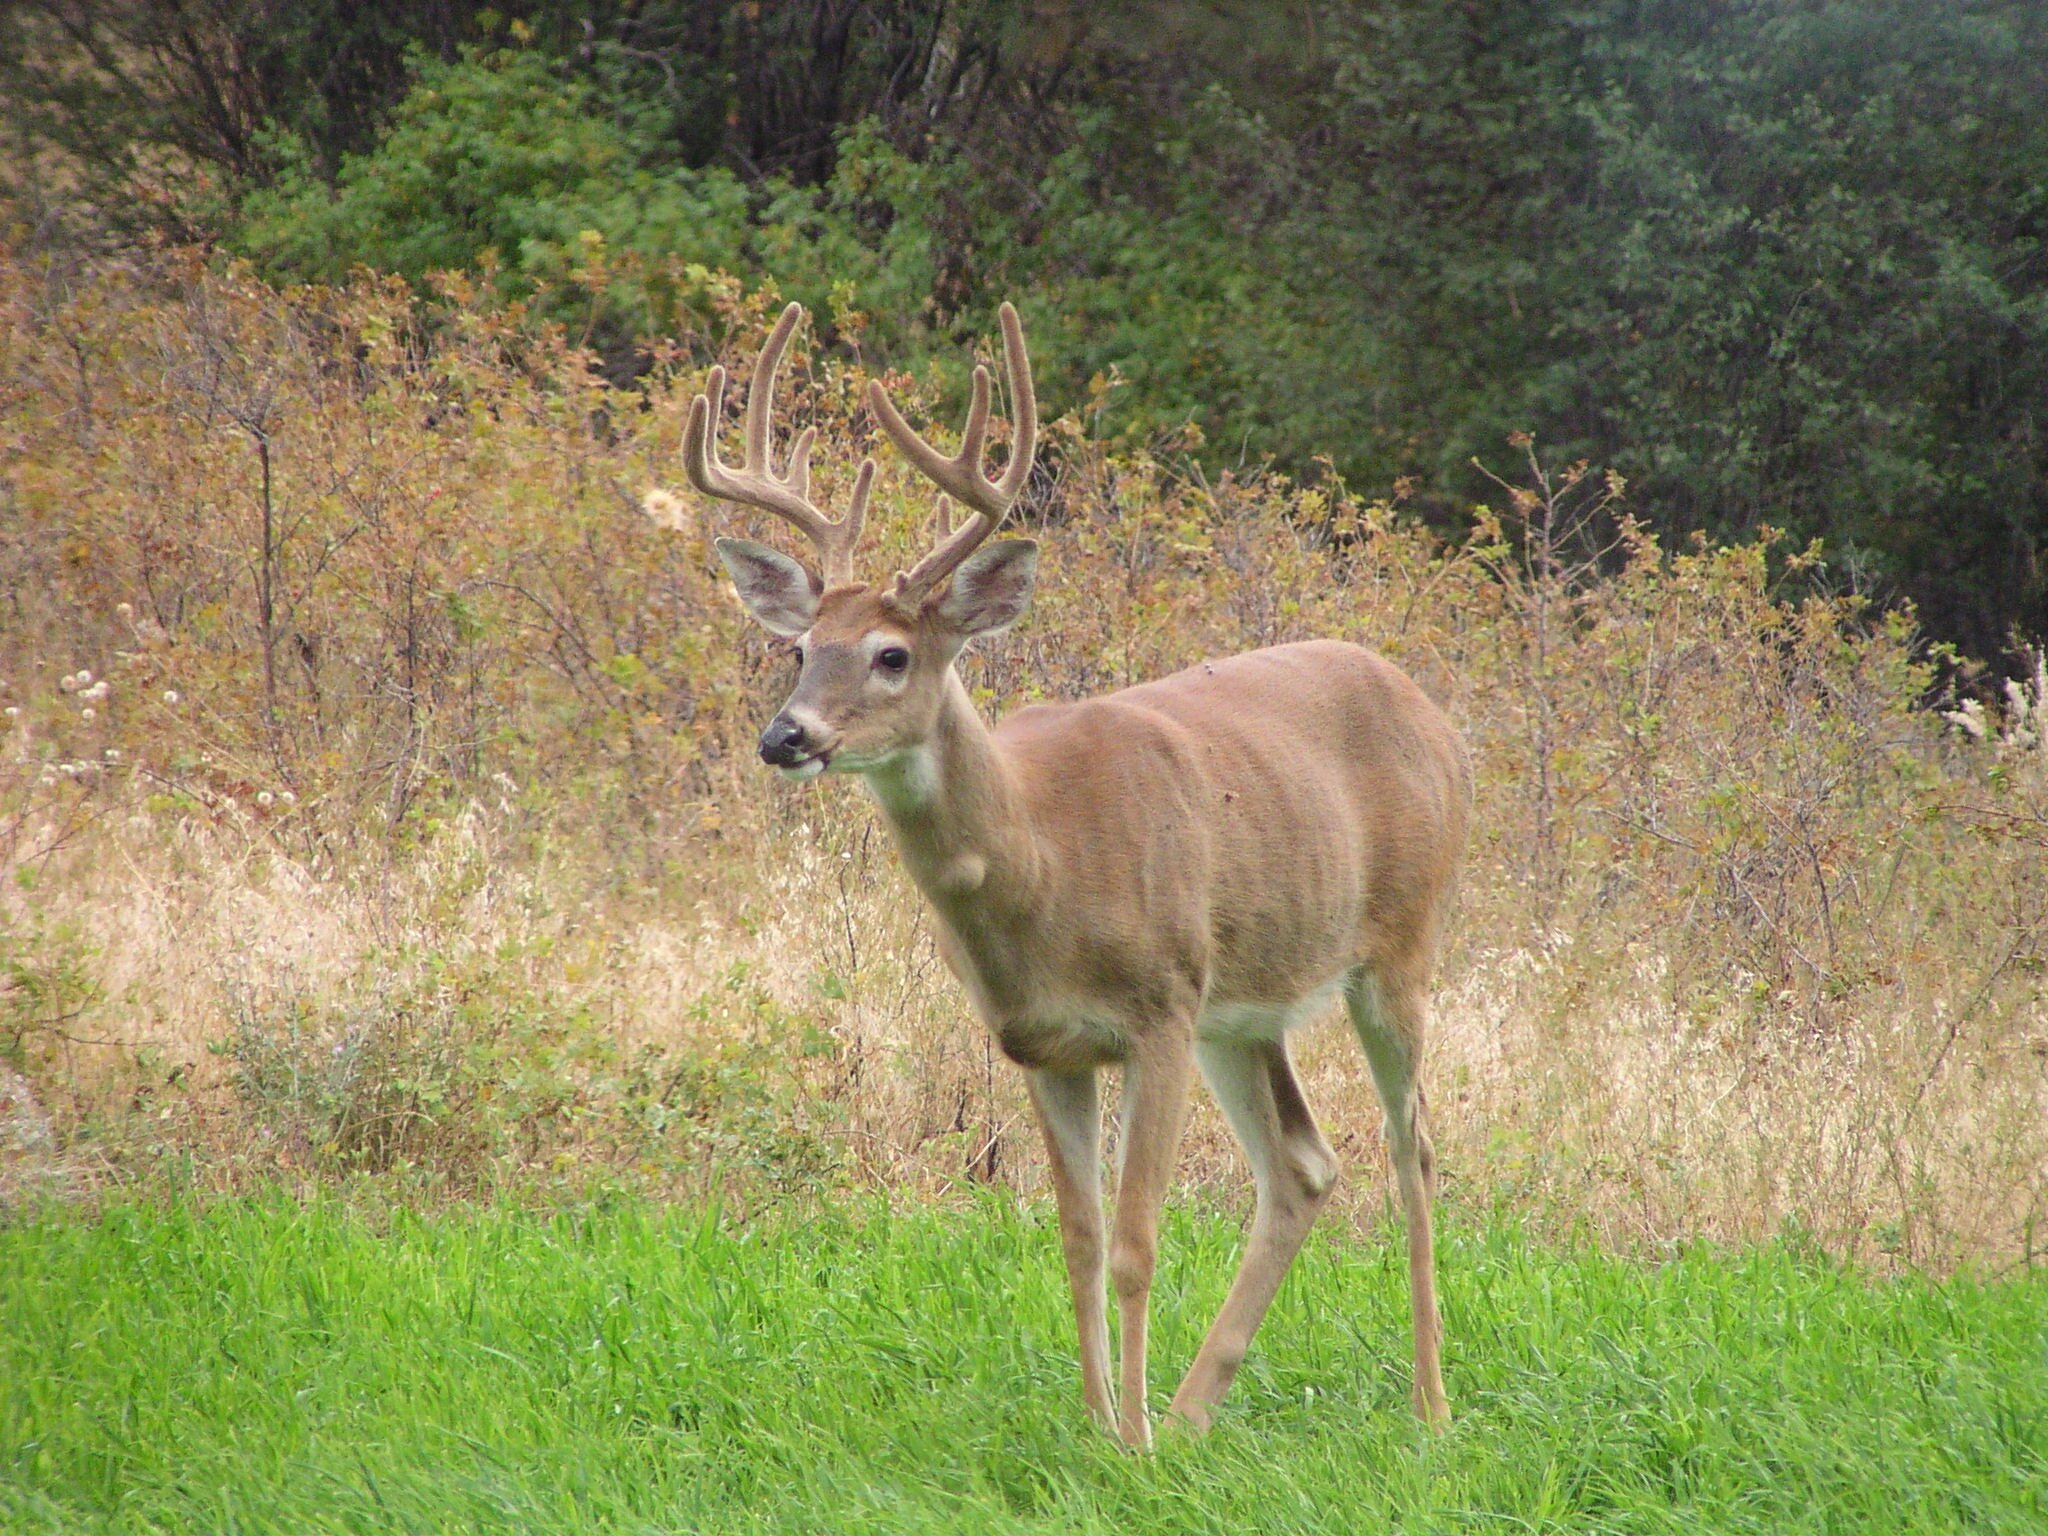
pixel 1778 261
pixel 377 796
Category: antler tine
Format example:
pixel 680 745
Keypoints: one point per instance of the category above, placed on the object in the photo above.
pixel 1023 407
pixel 974 435
pixel 761 390
pixel 798 475
pixel 755 483
pixel 962 476
pixel 856 515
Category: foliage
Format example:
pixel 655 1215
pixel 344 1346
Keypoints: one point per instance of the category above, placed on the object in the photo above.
pixel 462 1067
pixel 418 1058
pixel 1821 262
pixel 498 162
pixel 354 697
pixel 47 987
pixel 147 116
pixel 1777 262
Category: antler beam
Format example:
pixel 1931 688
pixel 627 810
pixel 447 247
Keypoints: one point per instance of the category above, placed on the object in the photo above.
pixel 755 483
pixel 962 477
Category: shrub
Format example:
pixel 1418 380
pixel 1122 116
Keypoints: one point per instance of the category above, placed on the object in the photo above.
pixel 501 163
pixel 399 674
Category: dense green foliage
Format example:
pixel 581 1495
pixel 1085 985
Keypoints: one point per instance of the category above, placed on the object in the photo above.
pixel 1778 261
pixel 502 163
pixel 268 1367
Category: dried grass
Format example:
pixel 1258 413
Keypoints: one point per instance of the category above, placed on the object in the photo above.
pixel 1752 939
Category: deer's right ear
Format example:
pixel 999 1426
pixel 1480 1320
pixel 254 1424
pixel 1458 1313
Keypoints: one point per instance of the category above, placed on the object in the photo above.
pixel 778 591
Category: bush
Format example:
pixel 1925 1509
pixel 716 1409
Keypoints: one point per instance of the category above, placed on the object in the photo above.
pixel 504 164
pixel 415 1060
pixel 398 679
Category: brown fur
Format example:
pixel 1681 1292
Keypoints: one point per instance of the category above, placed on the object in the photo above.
pixel 1198 856
pixel 1161 879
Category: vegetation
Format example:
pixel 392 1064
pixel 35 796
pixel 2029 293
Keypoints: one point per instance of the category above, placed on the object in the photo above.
pixel 267 1366
pixel 384 860
pixel 1779 262
pixel 379 800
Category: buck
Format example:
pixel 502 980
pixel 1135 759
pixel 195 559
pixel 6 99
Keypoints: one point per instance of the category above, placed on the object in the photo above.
pixel 1165 880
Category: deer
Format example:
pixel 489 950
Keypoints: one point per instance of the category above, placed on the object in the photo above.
pixel 1164 880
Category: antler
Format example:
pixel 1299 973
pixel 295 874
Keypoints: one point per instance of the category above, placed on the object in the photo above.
pixel 961 476
pixel 756 484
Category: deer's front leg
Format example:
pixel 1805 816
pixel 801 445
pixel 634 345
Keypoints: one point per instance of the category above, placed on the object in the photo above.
pixel 1157 1079
pixel 1070 1113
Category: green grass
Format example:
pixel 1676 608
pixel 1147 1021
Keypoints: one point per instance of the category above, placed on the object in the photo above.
pixel 267 1366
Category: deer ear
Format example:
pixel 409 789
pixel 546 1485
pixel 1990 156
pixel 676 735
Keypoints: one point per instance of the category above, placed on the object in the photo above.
pixel 778 591
pixel 991 589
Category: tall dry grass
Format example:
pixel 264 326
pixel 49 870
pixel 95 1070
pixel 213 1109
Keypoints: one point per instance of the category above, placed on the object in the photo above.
pixel 377 794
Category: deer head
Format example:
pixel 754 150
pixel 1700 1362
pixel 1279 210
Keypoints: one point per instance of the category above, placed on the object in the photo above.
pixel 874 658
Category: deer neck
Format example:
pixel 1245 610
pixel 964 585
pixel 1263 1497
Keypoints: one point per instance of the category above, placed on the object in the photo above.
pixel 956 812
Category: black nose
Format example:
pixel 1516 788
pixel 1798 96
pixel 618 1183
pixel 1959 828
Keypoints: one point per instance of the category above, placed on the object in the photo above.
pixel 783 743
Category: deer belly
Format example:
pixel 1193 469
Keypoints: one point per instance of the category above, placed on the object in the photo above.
pixel 1262 1021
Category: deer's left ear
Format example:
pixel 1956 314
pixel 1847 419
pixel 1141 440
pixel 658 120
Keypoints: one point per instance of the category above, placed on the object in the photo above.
pixel 991 589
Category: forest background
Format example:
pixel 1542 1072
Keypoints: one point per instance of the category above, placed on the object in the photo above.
pixel 1662 385
pixel 1773 262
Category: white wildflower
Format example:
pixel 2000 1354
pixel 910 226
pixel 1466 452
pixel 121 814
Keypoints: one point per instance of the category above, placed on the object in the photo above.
pixel 88 713
pixel 2027 722
pixel 84 677
pixel 170 695
pixel 665 509
pixel 264 798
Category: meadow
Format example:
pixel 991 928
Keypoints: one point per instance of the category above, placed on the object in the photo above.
pixel 446 1084
pixel 273 1365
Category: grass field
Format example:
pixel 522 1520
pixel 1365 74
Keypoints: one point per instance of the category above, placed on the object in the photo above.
pixel 270 1366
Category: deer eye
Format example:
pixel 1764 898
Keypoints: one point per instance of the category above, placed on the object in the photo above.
pixel 892 658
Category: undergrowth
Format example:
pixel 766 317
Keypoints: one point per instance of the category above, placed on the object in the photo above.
pixel 377 801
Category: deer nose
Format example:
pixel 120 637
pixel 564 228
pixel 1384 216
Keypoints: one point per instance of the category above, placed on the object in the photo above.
pixel 782 744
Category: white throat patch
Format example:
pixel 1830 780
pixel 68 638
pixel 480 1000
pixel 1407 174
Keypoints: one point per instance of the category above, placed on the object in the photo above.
pixel 905 781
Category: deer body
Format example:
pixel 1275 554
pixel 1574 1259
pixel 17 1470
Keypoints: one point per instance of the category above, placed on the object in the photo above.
pixel 1223 845
pixel 1164 880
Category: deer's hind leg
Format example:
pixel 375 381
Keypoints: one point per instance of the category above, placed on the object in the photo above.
pixel 1392 1020
pixel 1293 1170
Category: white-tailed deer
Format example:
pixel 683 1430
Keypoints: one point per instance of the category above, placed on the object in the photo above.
pixel 1164 879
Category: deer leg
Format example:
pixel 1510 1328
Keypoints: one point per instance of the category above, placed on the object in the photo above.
pixel 1157 1079
pixel 1070 1113
pixel 1392 1021
pixel 1293 1171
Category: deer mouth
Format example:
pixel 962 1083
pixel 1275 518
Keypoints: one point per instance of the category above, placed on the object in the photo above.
pixel 809 768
